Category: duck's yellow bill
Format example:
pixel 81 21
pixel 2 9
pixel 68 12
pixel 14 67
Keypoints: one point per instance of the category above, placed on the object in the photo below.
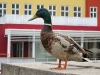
pixel 34 17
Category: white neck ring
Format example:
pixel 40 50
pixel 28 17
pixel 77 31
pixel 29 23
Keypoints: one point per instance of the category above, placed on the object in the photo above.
pixel 47 24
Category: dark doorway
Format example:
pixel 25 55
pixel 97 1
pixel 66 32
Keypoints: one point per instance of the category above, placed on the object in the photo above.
pixel 17 49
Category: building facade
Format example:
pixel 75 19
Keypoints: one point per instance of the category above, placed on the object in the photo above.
pixel 29 7
pixel 20 38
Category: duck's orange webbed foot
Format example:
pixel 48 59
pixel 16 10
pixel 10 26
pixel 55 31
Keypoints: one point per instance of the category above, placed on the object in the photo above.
pixel 59 66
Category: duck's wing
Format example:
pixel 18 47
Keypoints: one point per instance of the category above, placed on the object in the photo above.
pixel 75 44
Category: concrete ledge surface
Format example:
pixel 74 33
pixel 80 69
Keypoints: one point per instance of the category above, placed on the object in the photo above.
pixel 39 68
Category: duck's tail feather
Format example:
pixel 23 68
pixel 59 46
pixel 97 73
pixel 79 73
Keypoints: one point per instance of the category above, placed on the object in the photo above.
pixel 86 60
pixel 88 53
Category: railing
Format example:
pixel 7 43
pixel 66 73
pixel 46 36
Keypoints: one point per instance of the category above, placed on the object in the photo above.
pixel 23 19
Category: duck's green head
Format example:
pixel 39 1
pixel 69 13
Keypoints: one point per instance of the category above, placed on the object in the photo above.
pixel 42 13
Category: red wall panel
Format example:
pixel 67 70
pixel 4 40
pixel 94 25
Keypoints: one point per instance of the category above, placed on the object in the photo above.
pixel 56 27
pixel 3 41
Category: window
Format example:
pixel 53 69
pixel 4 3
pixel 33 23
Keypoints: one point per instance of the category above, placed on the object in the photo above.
pixel 27 9
pixel 2 9
pixel 40 6
pixel 15 9
pixel 52 10
pixel 64 11
pixel 93 12
pixel 77 11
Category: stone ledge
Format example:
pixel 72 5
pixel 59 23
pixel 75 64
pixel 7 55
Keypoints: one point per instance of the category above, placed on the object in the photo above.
pixel 38 68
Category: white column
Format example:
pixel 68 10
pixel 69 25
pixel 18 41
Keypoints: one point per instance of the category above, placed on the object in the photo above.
pixel 22 49
pixel 82 39
pixel 8 45
pixel 33 47
pixel 82 42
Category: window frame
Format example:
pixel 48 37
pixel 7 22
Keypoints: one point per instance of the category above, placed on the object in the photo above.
pixel 15 9
pixel 40 5
pixel 77 12
pixel 52 11
pixel 93 12
pixel 65 11
pixel 28 10
pixel 3 9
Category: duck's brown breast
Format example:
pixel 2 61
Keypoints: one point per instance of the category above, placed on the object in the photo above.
pixel 46 39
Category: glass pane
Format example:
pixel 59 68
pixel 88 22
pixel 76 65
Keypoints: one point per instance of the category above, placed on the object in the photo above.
pixel 91 9
pixel 79 14
pixel 79 8
pixel 91 14
pixel 98 43
pixel 93 44
pixel 50 7
pixel 13 5
pixel 62 13
pixel 0 5
pixel 29 12
pixel 50 12
pixel 25 6
pixel 75 14
pixel 4 5
pixel 4 11
pixel 30 7
pixel 66 8
pixel 95 9
pixel 54 13
pixel 75 8
pixel 38 7
pixel 90 45
pixel 95 15
pixel 42 6
pixel 25 12
pixel 17 11
pixel 17 6
pixel 62 7
pixel 0 15
pixel 54 7
pixel 66 14
pixel 0 11
pixel 13 11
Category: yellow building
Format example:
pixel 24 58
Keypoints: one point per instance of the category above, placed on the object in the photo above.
pixel 70 8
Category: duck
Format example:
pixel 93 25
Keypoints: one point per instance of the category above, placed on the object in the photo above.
pixel 60 46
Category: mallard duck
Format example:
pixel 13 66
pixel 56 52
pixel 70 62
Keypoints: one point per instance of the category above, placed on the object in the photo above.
pixel 58 45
